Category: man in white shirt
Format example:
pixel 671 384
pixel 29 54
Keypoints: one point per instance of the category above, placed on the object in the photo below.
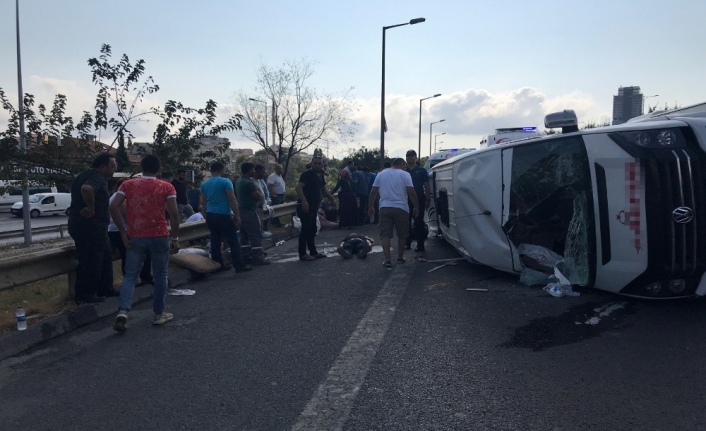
pixel 395 188
pixel 276 186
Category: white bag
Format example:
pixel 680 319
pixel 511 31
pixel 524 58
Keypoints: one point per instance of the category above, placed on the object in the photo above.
pixel 296 222
pixel 318 225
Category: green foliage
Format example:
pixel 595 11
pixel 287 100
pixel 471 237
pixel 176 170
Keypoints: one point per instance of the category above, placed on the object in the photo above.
pixel 364 157
pixel 121 157
pixel 119 90
pixel 177 138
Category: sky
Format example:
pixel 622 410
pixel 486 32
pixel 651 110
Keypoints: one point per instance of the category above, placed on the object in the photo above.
pixel 496 63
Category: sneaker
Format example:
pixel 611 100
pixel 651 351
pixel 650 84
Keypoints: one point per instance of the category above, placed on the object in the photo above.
pixel 364 252
pixel 266 234
pixel 244 268
pixel 162 318
pixel 343 252
pixel 387 264
pixel 401 260
pixel 120 324
pixel 261 262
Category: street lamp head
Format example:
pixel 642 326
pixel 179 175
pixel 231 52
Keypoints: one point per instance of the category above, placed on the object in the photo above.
pixel 417 21
pixel 255 100
pixel 444 133
pixel 442 121
pixel 437 95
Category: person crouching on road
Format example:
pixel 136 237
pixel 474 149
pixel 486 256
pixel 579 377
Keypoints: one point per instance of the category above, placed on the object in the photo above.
pixel 146 197
pixel 396 189
pixel 310 188
pixel 88 226
pixel 357 244
pixel 220 208
pixel 250 226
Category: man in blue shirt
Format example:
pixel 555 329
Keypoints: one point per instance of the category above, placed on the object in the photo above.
pixel 220 208
pixel 420 180
pixel 362 191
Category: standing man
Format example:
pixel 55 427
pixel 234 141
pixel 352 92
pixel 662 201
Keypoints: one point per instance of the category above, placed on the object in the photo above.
pixel 360 180
pixel 396 190
pixel 89 217
pixel 250 226
pixel 145 198
pixel 371 180
pixel 260 179
pixel 275 183
pixel 179 183
pixel 193 193
pixel 220 208
pixel 310 188
pixel 349 165
pixel 420 180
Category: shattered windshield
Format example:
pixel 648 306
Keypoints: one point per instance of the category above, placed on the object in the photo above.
pixel 550 197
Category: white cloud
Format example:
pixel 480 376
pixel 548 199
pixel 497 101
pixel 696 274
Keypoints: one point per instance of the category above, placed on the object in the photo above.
pixel 469 114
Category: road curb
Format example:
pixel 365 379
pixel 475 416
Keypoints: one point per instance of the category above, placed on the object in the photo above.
pixel 53 327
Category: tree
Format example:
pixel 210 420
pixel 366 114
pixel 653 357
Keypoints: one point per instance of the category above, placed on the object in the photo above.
pixel 301 118
pixel 121 157
pixel 177 140
pixel 119 85
pixel 591 124
pixel 53 155
pixel 364 157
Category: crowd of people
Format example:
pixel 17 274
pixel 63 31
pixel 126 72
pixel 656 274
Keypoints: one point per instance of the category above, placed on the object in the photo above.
pixel 140 218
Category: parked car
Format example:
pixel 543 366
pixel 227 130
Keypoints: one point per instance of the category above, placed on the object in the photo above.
pixel 622 205
pixel 13 193
pixel 45 204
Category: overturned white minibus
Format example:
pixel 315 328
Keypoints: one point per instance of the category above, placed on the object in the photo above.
pixel 622 205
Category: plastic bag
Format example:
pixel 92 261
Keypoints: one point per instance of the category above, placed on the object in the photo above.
pixel 194 251
pixel 558 290
pixel 296 222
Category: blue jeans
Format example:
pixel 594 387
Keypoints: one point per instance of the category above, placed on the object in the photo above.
pixel 223 228
pixel 159 250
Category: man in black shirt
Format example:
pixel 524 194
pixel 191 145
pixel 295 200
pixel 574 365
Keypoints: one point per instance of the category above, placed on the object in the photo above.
pixel 179 183
pixel 420 180
pixel 310 188
pixel 88 226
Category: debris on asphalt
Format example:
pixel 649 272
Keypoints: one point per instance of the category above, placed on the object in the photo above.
pixel 476 289
pixel 442 260
pixel 558 290
pixel 181 292
pixel 453 263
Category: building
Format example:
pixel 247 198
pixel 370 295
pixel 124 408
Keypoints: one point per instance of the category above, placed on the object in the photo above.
pixel 627 104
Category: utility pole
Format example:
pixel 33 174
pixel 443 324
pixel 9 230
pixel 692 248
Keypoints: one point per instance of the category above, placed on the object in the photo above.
pixel 23 142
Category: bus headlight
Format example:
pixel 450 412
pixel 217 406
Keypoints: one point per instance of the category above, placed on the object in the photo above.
pixel 677 286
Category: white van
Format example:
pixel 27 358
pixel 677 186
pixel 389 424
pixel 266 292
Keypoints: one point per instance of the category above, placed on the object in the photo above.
pixel 624 204
pixel 13 193
pixel 444 155
pixel 45 204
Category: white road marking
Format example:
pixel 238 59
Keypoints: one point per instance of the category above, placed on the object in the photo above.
pixel 331 404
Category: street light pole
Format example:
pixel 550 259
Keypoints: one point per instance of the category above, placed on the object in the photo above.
pixel 431 124
pixel 419 149
pixel 643 102
pixel 436 136
pixel 23 142
pixel 383 124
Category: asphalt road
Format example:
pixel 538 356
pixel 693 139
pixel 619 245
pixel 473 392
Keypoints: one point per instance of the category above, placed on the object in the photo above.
pixel 350 344
pixel 10 222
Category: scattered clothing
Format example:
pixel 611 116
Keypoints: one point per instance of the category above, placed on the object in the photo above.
pixel 195 217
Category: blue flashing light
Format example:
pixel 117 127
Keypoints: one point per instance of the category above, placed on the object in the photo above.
pixel 529 129
pixel 453 150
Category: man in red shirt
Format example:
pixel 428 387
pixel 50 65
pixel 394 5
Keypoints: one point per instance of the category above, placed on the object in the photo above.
pixel 146 198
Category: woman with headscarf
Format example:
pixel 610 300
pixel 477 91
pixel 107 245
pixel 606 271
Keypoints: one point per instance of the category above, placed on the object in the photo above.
pixel 347 200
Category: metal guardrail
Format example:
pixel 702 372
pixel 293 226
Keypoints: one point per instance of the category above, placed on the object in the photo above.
pixel 19 233
pixel 19 270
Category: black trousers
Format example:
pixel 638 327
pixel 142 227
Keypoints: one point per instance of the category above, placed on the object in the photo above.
pixel 362 208
pixel 223 228
pixel 94 272
pixel 146 273
pixel 307 235
pixel 418 229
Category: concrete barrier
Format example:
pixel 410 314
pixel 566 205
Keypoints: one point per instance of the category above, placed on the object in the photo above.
pixel 31 267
